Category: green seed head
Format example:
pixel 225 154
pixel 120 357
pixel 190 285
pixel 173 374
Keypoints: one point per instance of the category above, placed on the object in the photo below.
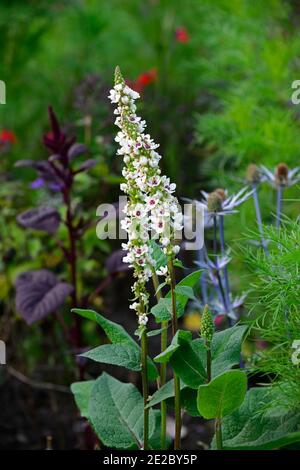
pixel 207 324
pixel 252 174
pixel 119 77
pixel 214 202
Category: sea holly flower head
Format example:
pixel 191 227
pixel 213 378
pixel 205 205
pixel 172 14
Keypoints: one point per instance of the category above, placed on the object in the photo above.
pixel 215 265
pixel 219 203
pixel 282 175
pixel 253 174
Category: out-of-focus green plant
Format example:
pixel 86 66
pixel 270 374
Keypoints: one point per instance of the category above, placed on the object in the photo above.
pixel 276 308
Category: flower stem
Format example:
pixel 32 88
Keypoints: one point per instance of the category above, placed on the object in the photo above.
pixel 144 347
pixel 208 360
pixel 218 427
pixel 226 278
pixel 279 205
pixel 201 255
pixel 259 219
pixel 163 368
pixel 215 241
pixel 177 443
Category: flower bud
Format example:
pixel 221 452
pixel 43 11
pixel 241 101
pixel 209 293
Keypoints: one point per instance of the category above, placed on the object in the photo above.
pixel 252 174
pixel 282 174
pixel 207 324
pixel 214 202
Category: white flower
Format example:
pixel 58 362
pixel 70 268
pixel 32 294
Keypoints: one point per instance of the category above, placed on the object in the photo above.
pixel 163 271
pixel 165 241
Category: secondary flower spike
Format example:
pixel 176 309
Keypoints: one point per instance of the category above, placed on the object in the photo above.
pixel 151 206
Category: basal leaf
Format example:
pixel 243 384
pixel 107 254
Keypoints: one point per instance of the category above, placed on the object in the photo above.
pixel 116 413
pixel 82 393
pixel 261 423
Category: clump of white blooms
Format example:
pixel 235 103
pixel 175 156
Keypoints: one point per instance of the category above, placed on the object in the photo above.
pixel 151 208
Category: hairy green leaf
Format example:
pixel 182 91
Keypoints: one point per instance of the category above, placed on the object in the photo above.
pixel 261 423
pixel 116 413
pixel 224 394
pixel 123 347
pixel 82 393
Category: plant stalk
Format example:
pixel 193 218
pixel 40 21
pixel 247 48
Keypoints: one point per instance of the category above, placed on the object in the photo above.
pixel 145 383
pixel 279 205
pixel 225 270
pixel 177 442
pixel 259 219
pixel 203 283
pixel 208 360
pixel 218 427
pixel 163 367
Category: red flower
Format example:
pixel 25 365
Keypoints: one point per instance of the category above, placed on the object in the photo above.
pixel 219 320
pixel 143 80
pixel 182 35
pixel 7 136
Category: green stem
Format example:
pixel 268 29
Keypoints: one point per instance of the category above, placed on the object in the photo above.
pixel 145 383
pixel 208 361
pixel 219 440
pixel 177 443
pixel 163 368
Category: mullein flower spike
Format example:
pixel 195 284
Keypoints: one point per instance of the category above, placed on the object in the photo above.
pixel 207 325
pixel 151 204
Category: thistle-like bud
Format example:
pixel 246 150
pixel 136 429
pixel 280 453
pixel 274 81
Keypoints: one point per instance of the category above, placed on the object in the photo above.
pixel 214 202
pixel 253 174
pixel 207 325
pixel 222 193
pixel 282 174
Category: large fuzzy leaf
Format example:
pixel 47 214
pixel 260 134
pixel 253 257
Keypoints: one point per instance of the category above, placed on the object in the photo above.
pixel 163 393
pixel 224 394
pixel 180 337
pixel 122 355
pixel 125 348
pixel 261 422
pixel 39 293
pixel 188 366
pixel 116 413
pixel 82 393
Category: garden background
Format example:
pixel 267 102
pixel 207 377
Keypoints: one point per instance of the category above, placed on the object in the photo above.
pixel 215 79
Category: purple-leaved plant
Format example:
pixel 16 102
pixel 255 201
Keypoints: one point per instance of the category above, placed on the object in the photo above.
pixel 56 173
